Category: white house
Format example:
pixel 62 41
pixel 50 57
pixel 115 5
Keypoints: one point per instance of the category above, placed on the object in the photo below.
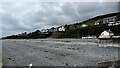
pixel 44 30
pixel 61 28
pixel 106 34
pixel 53 29
pixel 84 25
pixel 109 20
pixel 107 38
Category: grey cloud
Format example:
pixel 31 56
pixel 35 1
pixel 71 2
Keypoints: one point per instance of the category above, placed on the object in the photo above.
pixel 11 25
pixel 87 7
pixel 89 10
pixel 9 22
pixel 69 9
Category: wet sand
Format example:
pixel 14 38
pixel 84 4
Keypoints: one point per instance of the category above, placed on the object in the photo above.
pixel 55 52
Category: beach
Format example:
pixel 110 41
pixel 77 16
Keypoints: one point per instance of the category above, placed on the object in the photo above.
pixel 55 52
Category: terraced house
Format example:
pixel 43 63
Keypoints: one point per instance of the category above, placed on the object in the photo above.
pixel 109 20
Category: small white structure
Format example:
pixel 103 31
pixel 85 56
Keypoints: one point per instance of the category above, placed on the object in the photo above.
pixel 97 23
pixel 84 25
pixel 61 28
pixel 107 38
pixel 109 20
pixel 44 30
pixel 30 65
pixel 89 37
pixel 106 34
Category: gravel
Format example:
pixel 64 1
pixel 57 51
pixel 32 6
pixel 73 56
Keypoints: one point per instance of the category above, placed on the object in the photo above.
pixel 55 52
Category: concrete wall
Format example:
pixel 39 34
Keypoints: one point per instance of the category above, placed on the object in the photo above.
pixel 109 42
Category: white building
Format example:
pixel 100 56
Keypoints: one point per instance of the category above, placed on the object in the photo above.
pixel 44 30
pixel 106 34
pixel 89 37
pixel 107 38
pixel 109 20
pixel 53 29
pixel 83 25
pixel 61 28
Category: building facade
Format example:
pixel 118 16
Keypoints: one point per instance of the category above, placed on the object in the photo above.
pixel 61 28
pixel 110 21
pixel 106 34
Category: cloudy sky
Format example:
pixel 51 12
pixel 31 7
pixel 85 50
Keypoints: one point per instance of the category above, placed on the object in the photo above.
pixel 19 17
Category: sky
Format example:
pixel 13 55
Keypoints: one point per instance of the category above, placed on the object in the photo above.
pixel 19 17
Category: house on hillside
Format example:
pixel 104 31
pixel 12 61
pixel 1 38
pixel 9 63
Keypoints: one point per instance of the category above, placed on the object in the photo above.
pixel 110 21
pixel 44 30
pixel 53 29
pixel 84 25
pixel 106 34
pixel 107 20
pixel 107 38
pixel 61 29
pixel 67 27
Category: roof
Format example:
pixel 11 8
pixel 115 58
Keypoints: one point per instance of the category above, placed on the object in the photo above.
pixel 109 31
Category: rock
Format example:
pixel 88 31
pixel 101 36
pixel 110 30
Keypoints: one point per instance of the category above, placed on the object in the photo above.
pixel 9 58
pixel 66 64
pixel 50 58
pixel 46 51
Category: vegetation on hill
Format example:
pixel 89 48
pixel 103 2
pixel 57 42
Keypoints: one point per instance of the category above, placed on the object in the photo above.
pixel 90 31
pixel 33 35
pixel 74 30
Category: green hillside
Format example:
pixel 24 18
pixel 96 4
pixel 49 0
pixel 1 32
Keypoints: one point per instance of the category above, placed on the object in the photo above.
pixel 91 21
pixel 75 30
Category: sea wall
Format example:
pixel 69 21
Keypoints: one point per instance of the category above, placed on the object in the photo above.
pixel 109 42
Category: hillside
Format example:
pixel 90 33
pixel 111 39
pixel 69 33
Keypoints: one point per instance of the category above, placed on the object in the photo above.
pixel 91 21
pixel 77 30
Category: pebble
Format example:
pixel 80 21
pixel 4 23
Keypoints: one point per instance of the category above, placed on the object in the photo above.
pixel 50 58
pixel 9 58
pixel 46 51
pixel 75 65
pixel 66 64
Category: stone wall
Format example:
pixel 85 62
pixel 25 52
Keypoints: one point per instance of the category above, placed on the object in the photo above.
pixel 109 42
